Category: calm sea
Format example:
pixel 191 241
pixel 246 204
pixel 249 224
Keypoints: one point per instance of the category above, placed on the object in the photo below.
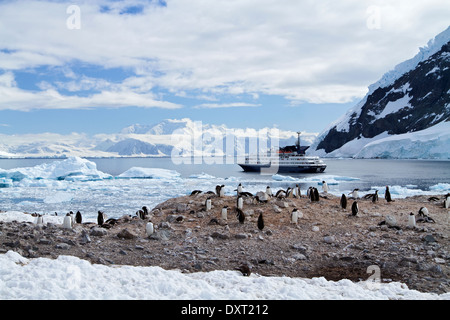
pixel 371 172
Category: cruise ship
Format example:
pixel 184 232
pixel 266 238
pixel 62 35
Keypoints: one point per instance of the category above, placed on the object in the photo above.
pixel 290 159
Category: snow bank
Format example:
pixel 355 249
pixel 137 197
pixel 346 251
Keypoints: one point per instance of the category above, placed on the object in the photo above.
pixel 150 173
pixel 72 278
pixel 70 169
pixel 329 179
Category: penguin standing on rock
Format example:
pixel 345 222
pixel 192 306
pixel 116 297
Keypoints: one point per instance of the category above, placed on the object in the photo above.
pixel 208 204
pixel 387 195
pixel 239 202
pixel 294 216
pixel 78 217
pixel 297 192
pixel 324 187
pixel 447 201
pixel 224 212
pixel 67 223
pixel 269 191
pixel 149 228
pixel 355 193
pixel 260 222
pixel 344 201
pixel 355 208
pixel 241 216
pixel 375 196
pixel 101 218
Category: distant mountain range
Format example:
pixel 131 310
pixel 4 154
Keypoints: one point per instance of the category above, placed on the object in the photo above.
pixel 405 114
pixel 142 140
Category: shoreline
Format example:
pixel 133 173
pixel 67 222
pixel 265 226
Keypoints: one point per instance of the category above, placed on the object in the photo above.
pixel 326 242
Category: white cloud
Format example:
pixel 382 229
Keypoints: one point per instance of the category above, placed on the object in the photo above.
pixel 225 105
pixel 314 51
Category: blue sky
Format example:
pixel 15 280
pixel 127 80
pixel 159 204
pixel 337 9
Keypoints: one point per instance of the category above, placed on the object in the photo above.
pixel 99 66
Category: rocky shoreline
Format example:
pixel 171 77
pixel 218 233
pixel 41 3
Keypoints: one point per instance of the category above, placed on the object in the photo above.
pixel 327 241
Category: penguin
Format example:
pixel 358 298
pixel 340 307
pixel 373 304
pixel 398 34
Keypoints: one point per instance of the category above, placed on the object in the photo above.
pixel 324 187
pixel 433 199
pixel 239 202
pixel 343 202
pixel 423 212
pixel 375 196
pixel 72 217
pixel 269 191
pixel 294 216
pixel 67 223
pixel 355 193
pixel 355 208
pixel 149 229
pixel 308 192
pixel 78 217
pixel 40 219
pixel 260 222
pixel 100 218
pixel 208 204
pixel 280 194
pixel 246 194
pixel 239 188
pixel 297 191
pixel 316 194
pixel 387 195
pixel 224 212
pixel 218 190
pixel 447 201
pixel 195 192
pixel 146 213
pixel 289 192
pixel 222 191
pixel 245 270
pixel 411 220
pixel 140 214
pixel 240 214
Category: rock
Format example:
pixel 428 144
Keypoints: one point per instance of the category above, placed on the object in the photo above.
pixel 98 232
pixel 126 234
pixel 241 236
pixel 45 241
pixel 163 235
pixel 391 221
pixel 219 235
pixel 299 256
pixel 62 245
pixel 182 207
pixel 300 247
pixel 329 239
pixel 429 238
pixel 85 237
pixel 315 228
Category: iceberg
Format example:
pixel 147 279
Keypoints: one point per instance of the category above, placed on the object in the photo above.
pixel 71 169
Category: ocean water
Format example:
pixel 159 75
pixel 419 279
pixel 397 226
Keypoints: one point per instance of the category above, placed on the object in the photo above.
pixel 117 196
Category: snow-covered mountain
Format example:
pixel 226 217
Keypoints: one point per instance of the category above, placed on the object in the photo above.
pixel 406 105
pixel 159 139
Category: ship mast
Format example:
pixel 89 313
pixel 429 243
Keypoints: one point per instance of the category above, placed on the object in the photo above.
pixel 298 142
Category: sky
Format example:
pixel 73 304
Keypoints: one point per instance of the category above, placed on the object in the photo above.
pixel 99 66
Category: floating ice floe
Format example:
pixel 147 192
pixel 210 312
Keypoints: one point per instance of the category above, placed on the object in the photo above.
pixel 150 173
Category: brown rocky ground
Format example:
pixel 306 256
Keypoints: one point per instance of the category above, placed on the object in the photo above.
pixel 326 241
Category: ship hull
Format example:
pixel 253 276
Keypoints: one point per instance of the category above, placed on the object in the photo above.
pixel 283 169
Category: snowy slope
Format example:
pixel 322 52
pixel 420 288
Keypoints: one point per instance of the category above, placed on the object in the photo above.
pixel 412 97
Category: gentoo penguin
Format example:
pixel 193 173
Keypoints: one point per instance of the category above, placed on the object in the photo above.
pixel 195 192
pixel 423 215
pixel 297 191
pixel 387 195
pixel 149 228
pixel 269 191
pixel 239 202
pixel 423 212
pixel 343 202
pixel 222 191
pixel 67 223
pixel 72 216
pixel 260 222
pixel 355 194
pixel 40 219
pixel 239 188
pixel 100 218
pixel 294 216
pixel 316 194
pixel 411 220
pixel 244 269
pixel 375 196
pixel 78 218
pixel 289 192
pixel 218 190
pixel 224 212
pixel 447 201
pixel 355 208
pixel 324 187
pixel 208 204
pixel 280 194
pixel 146 213
pixel 241 216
